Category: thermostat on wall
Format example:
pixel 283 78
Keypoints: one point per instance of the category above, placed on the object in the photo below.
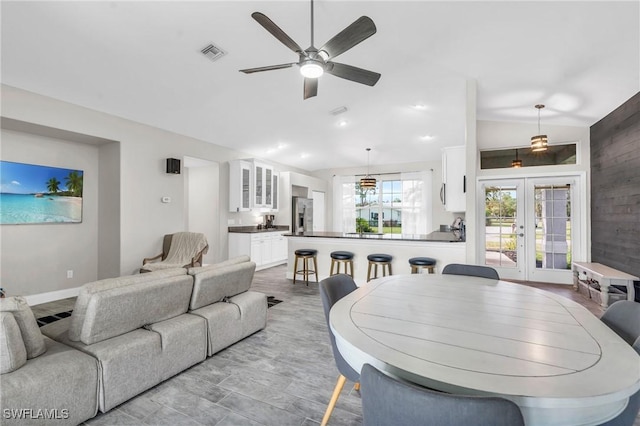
pixel 166 199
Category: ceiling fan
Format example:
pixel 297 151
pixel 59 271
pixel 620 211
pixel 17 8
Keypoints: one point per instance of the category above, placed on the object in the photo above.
pixel 314 62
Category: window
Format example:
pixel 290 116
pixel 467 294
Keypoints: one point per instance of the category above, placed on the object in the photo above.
pixel 554 155
pixel 399 204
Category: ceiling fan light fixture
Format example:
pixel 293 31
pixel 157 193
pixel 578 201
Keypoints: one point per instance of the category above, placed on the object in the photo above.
pixel 312 69
pixel 539 143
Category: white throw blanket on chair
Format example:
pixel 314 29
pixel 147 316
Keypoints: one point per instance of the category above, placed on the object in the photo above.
pixel 184 247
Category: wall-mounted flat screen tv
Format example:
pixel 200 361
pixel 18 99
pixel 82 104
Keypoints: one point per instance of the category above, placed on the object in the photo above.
pixel 30 193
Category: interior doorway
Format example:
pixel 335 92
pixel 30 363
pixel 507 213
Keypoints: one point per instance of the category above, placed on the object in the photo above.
pixel 532 228
pixel 202 203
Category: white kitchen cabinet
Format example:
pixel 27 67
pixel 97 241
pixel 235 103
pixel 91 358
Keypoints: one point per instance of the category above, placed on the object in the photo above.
pixel 263 181
pixel 266 249
pixel 454 186
pixel 240 173
pixel 252 184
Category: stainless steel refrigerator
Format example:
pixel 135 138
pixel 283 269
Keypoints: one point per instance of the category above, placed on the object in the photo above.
pixel 302 215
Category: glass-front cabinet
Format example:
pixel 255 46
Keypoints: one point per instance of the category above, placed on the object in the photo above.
pixel 252 184
pixel 240 186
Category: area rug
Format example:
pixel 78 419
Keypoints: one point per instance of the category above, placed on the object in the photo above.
pixel 53 318
pixel 271 301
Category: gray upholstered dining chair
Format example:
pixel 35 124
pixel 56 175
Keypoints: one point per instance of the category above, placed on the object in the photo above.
pixel 623 317
pixel 387 401
pixel 471 270
pixel 333 289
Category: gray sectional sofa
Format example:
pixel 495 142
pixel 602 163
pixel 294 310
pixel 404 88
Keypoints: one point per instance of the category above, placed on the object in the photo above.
pixel 139 330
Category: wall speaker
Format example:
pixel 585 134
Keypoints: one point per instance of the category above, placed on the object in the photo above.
pixel 173 166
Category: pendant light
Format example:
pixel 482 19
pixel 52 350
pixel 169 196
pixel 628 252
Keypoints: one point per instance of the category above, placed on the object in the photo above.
pixel 539 142
pixel 367 182
pixel 517 163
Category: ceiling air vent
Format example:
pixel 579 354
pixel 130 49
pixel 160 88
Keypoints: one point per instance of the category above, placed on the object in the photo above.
pixel 338 111
pixel 213 52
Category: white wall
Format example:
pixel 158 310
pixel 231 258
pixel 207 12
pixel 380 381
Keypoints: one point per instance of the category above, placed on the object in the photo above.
pixel 143 218
pixel 36 257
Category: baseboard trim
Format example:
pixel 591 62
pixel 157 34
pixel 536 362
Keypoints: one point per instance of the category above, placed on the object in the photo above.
pixel 37 299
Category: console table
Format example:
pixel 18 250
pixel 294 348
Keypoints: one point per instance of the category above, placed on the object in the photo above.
pixel 605 276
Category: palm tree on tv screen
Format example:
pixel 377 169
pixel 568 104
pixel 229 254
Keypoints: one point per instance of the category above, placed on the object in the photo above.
pixel 53 185
pixel 74 183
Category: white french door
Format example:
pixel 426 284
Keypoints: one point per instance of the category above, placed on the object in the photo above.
pixel 532 227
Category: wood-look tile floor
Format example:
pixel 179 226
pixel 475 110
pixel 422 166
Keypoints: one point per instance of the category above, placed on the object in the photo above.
pixel 283 375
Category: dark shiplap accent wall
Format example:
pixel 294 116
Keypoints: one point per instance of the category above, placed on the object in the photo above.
pixel 615 188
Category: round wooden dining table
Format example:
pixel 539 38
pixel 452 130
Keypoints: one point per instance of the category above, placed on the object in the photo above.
pixel 467 335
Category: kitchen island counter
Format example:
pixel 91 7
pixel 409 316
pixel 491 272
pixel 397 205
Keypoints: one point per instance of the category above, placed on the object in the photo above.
pixel 444 247
pixel 446 237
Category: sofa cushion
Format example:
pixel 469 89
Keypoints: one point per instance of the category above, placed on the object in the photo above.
pixel 60 386
pixel 138 360
pixel 13 354
pixel 214 284
pixel 229 322
pixel 87 290
pixel 31 335
pixel 120 310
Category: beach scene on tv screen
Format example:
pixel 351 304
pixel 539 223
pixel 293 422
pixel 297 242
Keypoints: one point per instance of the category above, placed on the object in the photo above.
pixel 32 193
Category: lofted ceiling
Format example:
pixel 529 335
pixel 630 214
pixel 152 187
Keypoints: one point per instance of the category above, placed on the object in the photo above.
pixel 142 61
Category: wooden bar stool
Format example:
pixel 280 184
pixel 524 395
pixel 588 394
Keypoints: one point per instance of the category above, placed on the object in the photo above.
pixel 418 263
pixel 341 257
pixel 383 260
pixel 305 255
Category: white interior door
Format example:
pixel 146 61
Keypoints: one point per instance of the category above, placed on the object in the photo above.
pixel 532 227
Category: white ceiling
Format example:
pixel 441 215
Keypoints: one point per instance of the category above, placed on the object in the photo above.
pixel 142 61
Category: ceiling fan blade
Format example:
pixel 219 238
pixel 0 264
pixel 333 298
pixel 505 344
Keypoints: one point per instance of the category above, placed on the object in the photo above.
pixel 348 72
pixel 310 87
pixel 277 32
pixel 267 68
pixel 360 30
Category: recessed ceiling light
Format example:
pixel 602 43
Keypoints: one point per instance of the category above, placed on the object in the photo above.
pixel 426 137
pixel 304 155
pixel 282 145
pixel 342 123
pixel 419 106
